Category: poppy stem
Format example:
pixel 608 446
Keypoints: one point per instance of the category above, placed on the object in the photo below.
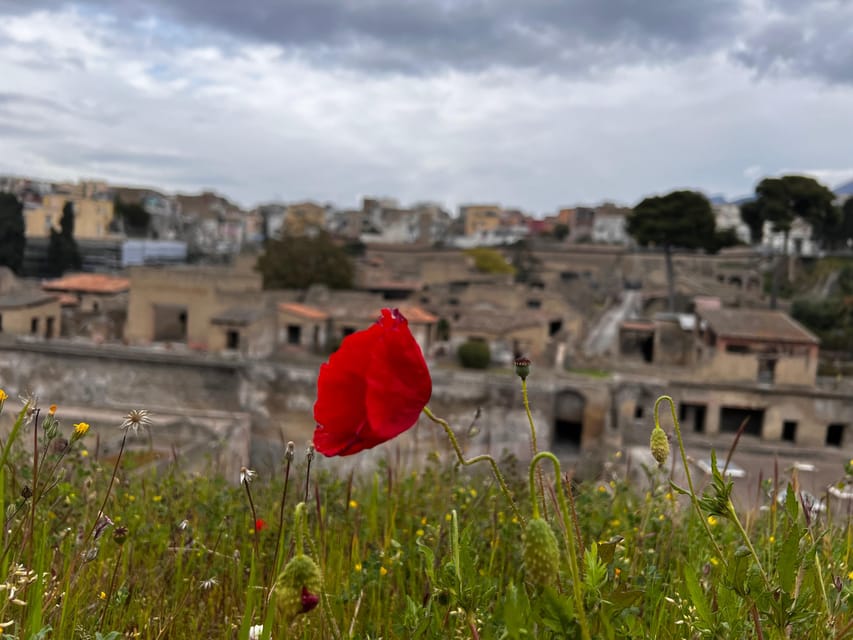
pixel 533 446
pixel 569 519
pixel 487 458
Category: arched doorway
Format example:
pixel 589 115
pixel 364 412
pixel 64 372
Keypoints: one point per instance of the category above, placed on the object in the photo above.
pixel 569 408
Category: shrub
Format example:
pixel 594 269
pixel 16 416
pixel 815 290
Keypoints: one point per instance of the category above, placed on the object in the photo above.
pixel 475 354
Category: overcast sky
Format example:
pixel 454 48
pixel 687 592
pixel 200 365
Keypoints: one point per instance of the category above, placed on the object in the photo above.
pixel 531 103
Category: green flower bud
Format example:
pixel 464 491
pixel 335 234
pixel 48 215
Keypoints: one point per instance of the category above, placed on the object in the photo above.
pixel 522 367
pixel 659 445
pixel 540 553
pixel 297 589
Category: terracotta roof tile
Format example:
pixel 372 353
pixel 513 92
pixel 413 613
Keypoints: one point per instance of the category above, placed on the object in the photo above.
pixel 88 283
pixel 303 310
pixel 418 315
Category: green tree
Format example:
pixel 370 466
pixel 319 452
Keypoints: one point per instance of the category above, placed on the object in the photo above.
pixel 62 253
pixel 296 262
pixel 845 224
pixel 488 260
pixel 681 219
pixel 751 214
pixel 783 200
pixel 12 240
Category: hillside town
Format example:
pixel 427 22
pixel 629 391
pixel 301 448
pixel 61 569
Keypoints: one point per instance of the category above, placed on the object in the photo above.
pixel 174 280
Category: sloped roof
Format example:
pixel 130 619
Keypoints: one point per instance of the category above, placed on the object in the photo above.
pixel 753 324
pixel 415 314
pixel 303 310
pixel 23 298
pixel 88 283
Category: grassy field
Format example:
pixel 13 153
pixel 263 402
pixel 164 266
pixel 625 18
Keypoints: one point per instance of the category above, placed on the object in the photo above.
pixel 103 549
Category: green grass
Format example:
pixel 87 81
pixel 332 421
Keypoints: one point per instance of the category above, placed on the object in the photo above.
pixel 394 565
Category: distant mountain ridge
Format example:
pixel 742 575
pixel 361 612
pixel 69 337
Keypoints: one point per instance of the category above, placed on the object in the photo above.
pixel 844 190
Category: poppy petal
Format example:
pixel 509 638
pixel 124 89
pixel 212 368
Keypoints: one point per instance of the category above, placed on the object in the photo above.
pixel 340 411
pixel 372 389
pixel 398 380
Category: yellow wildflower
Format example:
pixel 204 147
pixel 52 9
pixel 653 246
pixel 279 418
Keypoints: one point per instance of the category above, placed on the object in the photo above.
pixel 714 561
pixel 3 395
pixel 423 520
pixel 473 492
pixel 80 429
pixel 771 539
pixel 850 576
pixel 358 566
pixel 419 532
pixel 712 520
pixel 84 453
pixel 102 595
pixel 52 410
pixel 447 517
pixel 383 571
pixel 353 504
pixel 157 498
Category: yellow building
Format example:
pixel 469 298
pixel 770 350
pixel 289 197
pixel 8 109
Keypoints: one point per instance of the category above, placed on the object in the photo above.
pixel 92 216
pixel 178 304
pixel 30 313
pixel 481 218
pixel 302 216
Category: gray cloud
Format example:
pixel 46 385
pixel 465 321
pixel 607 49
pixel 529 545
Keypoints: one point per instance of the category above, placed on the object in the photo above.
pixel 812 39
pixel 422 36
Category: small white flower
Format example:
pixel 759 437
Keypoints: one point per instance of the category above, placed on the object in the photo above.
pixel 247 475
pixel 136 419
pixel 255 631
pixel 208 584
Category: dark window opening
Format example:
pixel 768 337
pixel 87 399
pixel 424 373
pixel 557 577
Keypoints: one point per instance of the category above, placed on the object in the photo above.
pixel 346 331
pixel 453 302
pixel 34 325
pixel 534 304
pixel 835 434
pixel 1 322
pixel 554 327
pixel 693 415
pixel 232 339
pixel 789 431
pixel 48 331
pixel 766 370
pixel 294 334
pixel 731 418
pixel 737 348
pixel 567 433
pixel 96 306
pixel 638 412
pixel 647 347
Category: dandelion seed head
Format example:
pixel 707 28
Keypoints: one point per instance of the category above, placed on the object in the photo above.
pixel 135 419
pixel 247 475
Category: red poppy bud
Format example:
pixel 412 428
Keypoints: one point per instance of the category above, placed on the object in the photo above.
pixel 372 389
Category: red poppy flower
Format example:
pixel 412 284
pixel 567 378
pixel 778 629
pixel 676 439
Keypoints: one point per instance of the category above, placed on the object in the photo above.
pixel 372 389
pixel 259 524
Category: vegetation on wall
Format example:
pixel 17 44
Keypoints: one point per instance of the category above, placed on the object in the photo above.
pixel 487 260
